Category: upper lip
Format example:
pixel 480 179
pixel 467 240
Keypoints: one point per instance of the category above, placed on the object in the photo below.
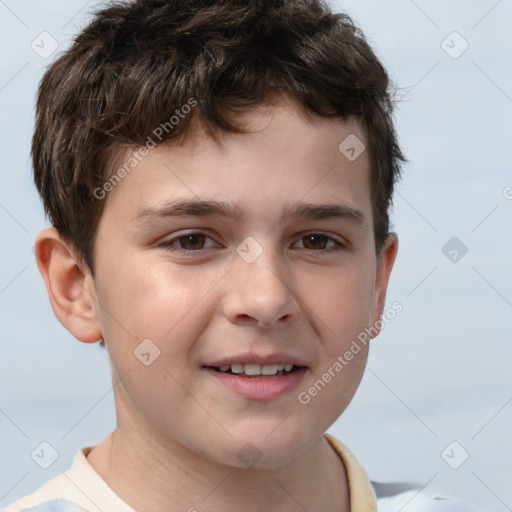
pixel 263 359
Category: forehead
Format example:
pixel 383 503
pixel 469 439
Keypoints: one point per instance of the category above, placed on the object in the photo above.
pixel 284 158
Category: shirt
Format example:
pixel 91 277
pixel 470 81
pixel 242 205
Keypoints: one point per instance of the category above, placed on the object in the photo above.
pixel 81 489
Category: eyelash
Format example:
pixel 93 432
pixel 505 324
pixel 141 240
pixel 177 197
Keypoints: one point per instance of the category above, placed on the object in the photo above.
pixel 168 245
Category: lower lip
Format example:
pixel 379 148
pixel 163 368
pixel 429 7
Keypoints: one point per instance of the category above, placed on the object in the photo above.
pixel 265 388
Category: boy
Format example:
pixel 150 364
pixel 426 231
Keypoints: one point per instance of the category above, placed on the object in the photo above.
pixel 218 176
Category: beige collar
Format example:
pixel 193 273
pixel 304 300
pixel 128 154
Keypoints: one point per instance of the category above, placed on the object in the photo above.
pixel 362 495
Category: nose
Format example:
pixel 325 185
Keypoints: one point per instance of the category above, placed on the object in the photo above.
pixel 261 293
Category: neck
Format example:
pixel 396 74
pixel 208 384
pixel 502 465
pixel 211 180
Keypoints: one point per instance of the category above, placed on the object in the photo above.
pixel 157 473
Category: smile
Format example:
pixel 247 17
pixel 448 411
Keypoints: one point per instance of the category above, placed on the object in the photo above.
pixel 258 382
pixel 252 369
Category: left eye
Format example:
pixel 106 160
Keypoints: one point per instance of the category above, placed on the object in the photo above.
pixel 317 241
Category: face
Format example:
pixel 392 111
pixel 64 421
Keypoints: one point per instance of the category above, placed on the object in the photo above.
pixel 256 249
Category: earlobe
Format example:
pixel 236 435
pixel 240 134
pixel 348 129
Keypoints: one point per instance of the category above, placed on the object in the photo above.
pixel 70 286
pixel 385 261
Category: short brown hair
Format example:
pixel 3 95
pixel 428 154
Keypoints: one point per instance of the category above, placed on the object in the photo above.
pixel 137 63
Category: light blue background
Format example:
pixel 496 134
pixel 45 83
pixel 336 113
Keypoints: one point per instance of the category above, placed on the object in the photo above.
pixel 439 372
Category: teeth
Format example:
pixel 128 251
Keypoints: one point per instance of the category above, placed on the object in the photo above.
pixel 252 369
pixel 257 369
pixel 269 369
pixel 237 368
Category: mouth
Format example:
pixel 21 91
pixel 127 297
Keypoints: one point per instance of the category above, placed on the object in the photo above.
pixel 257 382
pixel 257 371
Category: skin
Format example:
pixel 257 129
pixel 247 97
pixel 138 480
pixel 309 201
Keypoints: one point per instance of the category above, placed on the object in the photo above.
pixel 179 429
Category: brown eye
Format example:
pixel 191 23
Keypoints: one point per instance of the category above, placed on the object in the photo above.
pixel 323 244
pixel 189 243
pixel 315 241
pixel 192 242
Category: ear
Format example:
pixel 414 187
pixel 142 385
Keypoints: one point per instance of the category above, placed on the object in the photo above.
pixel 385 261
pixel 70 286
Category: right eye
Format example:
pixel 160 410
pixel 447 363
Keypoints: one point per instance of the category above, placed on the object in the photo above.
pixel 187 243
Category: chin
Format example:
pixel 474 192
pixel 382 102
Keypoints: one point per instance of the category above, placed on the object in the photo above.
pixel 265 449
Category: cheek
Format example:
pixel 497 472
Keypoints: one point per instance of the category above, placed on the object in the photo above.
pixel 342 308
pixel 341 302
pixel 151 309
pixel 169 306
pixel 143 295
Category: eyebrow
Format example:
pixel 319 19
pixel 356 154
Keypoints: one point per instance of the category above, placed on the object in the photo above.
pixel 206 208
